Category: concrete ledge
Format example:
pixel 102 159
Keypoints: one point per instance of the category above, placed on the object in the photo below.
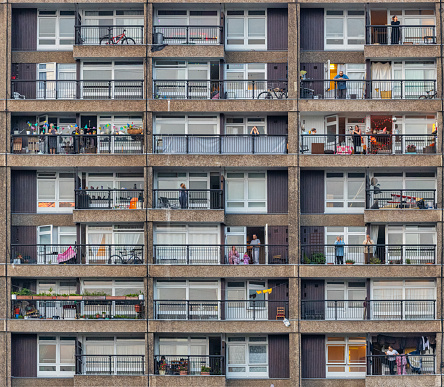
pixel 402 216
pixel 401 51
pixel 366 326
pixel 261 382
pixel 76 105
pixel 189 51
pixel 256 56
pixel 109 216
pixel 42 57
pixel 333 383
pixel 39 219
pixel 167 215
pixel 356 220
pixel 41 382
pixel 78 326
pixel 256 219
pixel 112 380
pixel 109 51
pixel 187 381
pixel 403 381
pixel 332 56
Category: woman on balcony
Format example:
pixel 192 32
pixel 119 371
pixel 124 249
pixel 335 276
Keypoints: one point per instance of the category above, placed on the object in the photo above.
pixel 183 197
pixel 357 143
pixel 233 256
pixel 395 30
pixel 52 139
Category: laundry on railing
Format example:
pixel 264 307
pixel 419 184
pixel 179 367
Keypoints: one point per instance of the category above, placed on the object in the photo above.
pixel 67 255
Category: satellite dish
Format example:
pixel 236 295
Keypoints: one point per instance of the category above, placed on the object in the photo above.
pixel 373 181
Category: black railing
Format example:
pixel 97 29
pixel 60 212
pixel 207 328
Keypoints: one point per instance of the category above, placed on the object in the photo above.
pixel 220 254
pixel 76 144
pixel 401 199
pixel 109 199
pixel 191 199
pixel 200 35
pixel 220 144
pixel 377 34
pixel 368 254
pixel 368 144
pixel 77 89
pixel 43 254
pixel 368 310
pixel 216 89
pixel 110 364
pixel 412 363
pixel 189 365
pixel 35 308
pixel 250 310
pixel 368 89
pixel 109 35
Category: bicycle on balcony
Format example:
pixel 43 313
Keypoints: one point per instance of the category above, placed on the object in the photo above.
pixel 431 94
pixel 122 39
pixel 134 256
pixel 274 93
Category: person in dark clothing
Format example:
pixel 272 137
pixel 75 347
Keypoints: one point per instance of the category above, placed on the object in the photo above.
pixel 183 197
pixel 395 30
pixel 356 139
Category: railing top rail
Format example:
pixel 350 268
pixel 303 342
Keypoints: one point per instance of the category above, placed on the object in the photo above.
pixel 216 245
pixel 404 354
pixel 220 300
pixel 362 245
pixel 401 25
pixel 77 80
pixel 77 244
pixel 109 189
pixel 366 135
pixel 84 355
pixel 366 80
pixel 188 26
pixel 425 300
pixel 400 189
pixel 74 134
pixel 219 356
pixel 109 26
pixel 220 80
pixel 220 135
pixel 196 190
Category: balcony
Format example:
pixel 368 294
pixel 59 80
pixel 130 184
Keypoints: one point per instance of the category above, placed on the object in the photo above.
pixel 77 89
pixel 240 310
pixel 110 364
pixel 90 254
pixel 77 144
pixel 412 363
pixel 189 365
pixel 368 144
pixel 368 310
pixel 218 254
pixel 369 89
pixel 191 199
pixel 381 199
pixel 218 89
pixel 404 35
pixel 108 35
pixel 220 144
pixel 109 199
pixel 54 308
pixel 186 35
pixel 368 254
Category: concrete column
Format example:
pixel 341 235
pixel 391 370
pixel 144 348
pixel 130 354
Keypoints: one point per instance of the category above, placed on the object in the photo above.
pixel 149 353
pixel 5 185
pixel 148 125
pixel 149 242
pixel 293 46
pixel 293 304
pixel 293 214
pixel 293 132
pixel 5 52
pixel 149 187
pixel 295 357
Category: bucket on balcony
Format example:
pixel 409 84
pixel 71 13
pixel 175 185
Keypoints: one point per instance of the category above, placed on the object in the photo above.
pixel 158 38
pixel 133 203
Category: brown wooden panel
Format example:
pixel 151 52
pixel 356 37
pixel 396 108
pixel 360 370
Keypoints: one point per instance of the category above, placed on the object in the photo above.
pixel 24 356
pixel 277 192
pixel 313 290
pixel 277 29
pixel 312 192
pixel 277 72
pixel 24 191
pixel 278 356
pixel 313 356
pixel 312 29
pixel 24 31
pixel 24 235
pixel 277 125
pixel 22 72
pixel 314 71
pixel 279 293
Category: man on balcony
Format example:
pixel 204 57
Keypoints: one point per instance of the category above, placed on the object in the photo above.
pixel 341 85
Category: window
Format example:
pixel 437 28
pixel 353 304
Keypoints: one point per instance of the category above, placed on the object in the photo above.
pixel 55 192
pixel 246 75
pixel 246 30
pixel 345 300
pixel 56 356
pixel 185 17
pixel 117 123
pixel 120 287
pixel 243 302
pixel 418 181
pixel 240 125
pixel 55 30
pixel 350 236
pixel 344 192
pixel 344 30
pixel 51 77
pixel 246 192
pixel 247 357
pixel 187 124
pixel 346 357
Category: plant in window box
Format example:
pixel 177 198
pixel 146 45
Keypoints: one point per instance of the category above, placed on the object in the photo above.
pixel 408 261
pixel 318 259
pixel 375 261
pixel 411 148
pixel 183 370
pixel 162 368
pixel 306 260
pixel 349 262
pixel 24 294
pixel 205 370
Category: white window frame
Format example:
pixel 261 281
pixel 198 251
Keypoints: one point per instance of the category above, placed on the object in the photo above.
pixel 246 124
pixel 345 17
pixel 59 20
pixel 57 342
pixel 246 344
pixel 347 343
pixel 246 201
pixel 244 309
pixel 53 72
pixel 350 308
pixel 346 208
pixel 58 182
pixel 186 16
pixel 246 17
pixel 185 121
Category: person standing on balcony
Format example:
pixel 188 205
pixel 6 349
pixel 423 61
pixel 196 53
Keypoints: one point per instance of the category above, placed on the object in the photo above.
pixel 339 250
pixel 395 30
pixel 391 358
pixel 183 197
pixel 233 256
pixel 357 142
pixel 52 132
pixel 254 131
pixel 255 242
pixel 368 251
pixel 341 85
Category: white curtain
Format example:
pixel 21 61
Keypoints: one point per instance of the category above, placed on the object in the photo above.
pixel 381 72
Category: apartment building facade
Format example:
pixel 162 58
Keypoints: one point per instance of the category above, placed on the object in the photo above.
pixel 170 215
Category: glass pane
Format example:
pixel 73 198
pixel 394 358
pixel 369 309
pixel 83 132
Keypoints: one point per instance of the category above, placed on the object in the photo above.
pixel 235 27
pixel 235 190
pixel 256 189
pixel 356 354
pixel 258 354
pixel 67 353
pixel 335 189
pixel 256 27
pixel 47 27
pixel 46 189
pixel 336 354
pixel 236 354
pixel 47 353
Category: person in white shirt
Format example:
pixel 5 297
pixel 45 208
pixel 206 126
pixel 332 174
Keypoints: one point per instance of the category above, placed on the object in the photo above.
pixel 391 357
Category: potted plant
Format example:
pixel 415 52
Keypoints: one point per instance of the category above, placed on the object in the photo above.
pixel 24 294
pixel 306 260
pixel 375 261
pixel 349 262
pixel 131 296
pixel 13 295
pixel 162 369
pixel 183 370
pixel 408 261
pixel 411 148
pixel 205 370
pixel 63 297
pixel 318 259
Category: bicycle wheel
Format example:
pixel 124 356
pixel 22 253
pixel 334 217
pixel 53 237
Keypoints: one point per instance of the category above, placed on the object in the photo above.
pixel 137 260
pixel 106 40
pixel 126 40
pixel 265 95
pixel 423 97
pixel 116 260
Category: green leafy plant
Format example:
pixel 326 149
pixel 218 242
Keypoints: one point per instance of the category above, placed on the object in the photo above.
pixel 306 260
pixel 408 261
pixel 23 292
pixel 375 261
pixel 205 369
pixel 86 293
pixel 350 261
pixel 318 258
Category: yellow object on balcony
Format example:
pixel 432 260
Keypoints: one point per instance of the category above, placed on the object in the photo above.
pixel 386 94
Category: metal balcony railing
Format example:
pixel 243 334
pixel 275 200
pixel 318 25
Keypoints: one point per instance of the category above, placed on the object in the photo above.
pixel 189 364
pixel 407 35
pixel 250 310
pixel 199 35
pixel 109 199
pixel 368 144
pixel 34 308
pixel 218 89
pixel 191 199
pixel 220 254
pixel 110 364
pixel 76 144
pixel 401 199
pixel 220 144
pixel 368 89
pixel 368 309
pixel 76 89
pixel 47 254
pixel 108 35
pixel 368 254
pixel 412 363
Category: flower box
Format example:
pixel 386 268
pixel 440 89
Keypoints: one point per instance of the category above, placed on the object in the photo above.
pixel 132 298
pixel 162 372
pixel 23 297
pixel 75 298
pixel 43 298
pixel 183 373
pixel 205 373
pixel 94 298
pixel 115 297
pixel 63 298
